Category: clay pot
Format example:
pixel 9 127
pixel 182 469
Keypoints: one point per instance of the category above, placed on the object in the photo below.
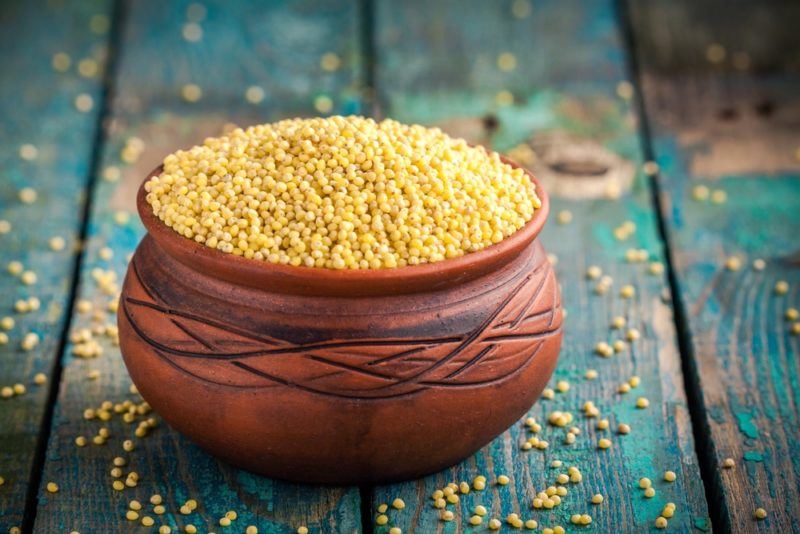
pixel 339 377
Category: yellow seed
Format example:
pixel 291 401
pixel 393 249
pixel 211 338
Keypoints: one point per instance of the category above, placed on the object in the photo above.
pixel 61 61
pixel 564 217
pixel 475 520
pixel 164 529
pixel 131 515
pixel 192 32
pixel 156 499
pixel 398 504
pixel 562 386
pixel 502 480
pixel 254 94
pixel 393 530
pixel 494 524
pixel 718 196
pixel 642 403
pixel 760 513
pixel 625 90
pixel 661 522
pixel 645 483
pixel 627 291
pixel 590 374
pixel 733 263
pixel 118 485
pixel 84 102
pixel 57 243
pixel 159 509
pixel 623 428
pixel 597 498
pixel 302 529
pixel 650 492
pixel 655 268
pixel 382 519
pixel 632 334
pixel 28 195
pixel 52 487
pixel 232 515
pixel 190 529
pixel 251 529
pixel 603 443
pixel 191 92
pixel 330 62
pixel 135 505
pixel 506 61
pixel 323 104
pixel 593 272
pixel 781 287
pixel 147 521
pixel 224 522
pixel 670 476
pixel 548 393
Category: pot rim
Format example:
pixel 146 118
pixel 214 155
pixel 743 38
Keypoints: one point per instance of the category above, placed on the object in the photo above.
pixel 320 281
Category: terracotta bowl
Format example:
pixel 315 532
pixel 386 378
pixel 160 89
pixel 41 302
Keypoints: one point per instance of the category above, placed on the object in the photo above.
pixel 339 377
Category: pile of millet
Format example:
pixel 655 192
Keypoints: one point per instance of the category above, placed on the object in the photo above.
pixel 342 193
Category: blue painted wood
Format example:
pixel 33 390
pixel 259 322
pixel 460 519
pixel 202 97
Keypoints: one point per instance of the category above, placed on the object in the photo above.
pixel 730 126
pixel 37 109
pixel 443 69
pixel 277 47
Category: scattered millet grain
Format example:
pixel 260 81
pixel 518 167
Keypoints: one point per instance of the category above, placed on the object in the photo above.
pixel 781 287
pixel 341 192
pixel 760 514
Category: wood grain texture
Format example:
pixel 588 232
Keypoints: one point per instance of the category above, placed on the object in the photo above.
pixel 733 127
pixel 569 59
pixel 278 47
pixel 37 108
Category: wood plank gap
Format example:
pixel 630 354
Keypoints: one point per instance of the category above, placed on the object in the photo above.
pixel 704 446
pixel 107 94
pixel 369 52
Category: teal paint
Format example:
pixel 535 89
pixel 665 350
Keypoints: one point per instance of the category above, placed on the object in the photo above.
pixel 753 456
pixel 746 424
pixel 702 523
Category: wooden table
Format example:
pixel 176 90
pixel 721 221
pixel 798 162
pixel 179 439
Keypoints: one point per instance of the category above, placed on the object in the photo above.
pixel 93 94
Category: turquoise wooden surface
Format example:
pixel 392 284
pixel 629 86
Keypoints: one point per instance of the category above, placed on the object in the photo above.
pixel 569 61
pixel 731 126
pixel 155 61
pixel 37 106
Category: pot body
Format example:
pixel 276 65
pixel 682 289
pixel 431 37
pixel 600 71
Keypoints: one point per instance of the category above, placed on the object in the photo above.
pixel 339 389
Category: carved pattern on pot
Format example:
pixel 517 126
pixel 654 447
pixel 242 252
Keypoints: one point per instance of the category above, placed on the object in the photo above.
pixel 501 346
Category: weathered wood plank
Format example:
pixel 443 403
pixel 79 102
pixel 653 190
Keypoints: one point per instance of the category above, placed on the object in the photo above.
pixel 277 47
pixel 45 144
pixel 444 68
pixel 724 109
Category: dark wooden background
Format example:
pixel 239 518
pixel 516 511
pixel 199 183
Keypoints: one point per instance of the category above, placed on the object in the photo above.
pixel 591 90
